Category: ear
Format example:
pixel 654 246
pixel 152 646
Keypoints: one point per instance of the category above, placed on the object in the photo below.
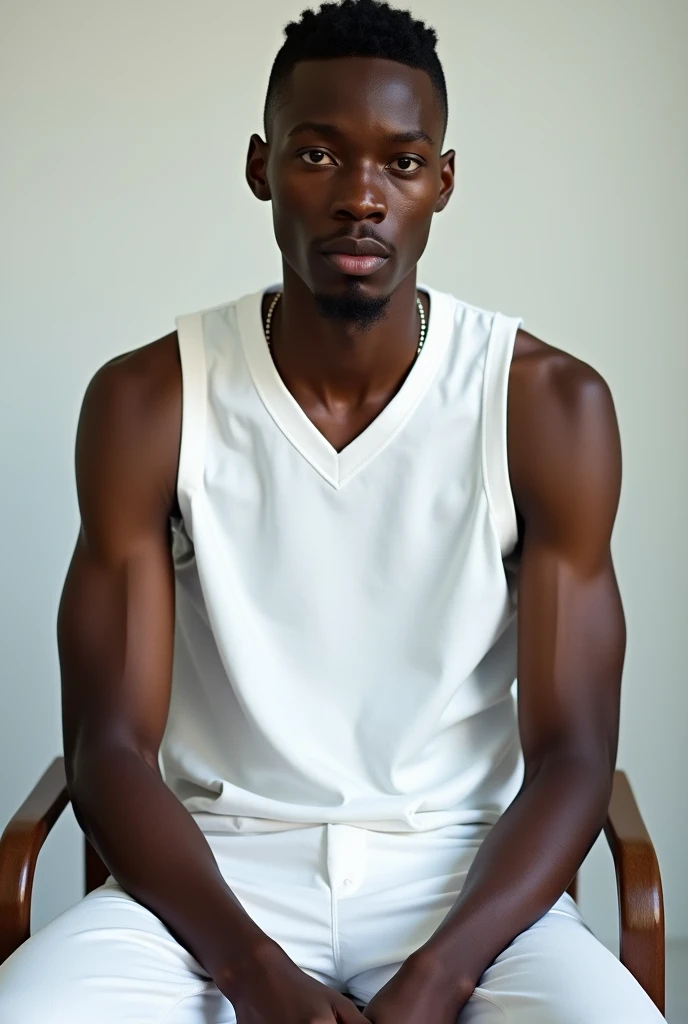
pixel 256 164
pixel 447 179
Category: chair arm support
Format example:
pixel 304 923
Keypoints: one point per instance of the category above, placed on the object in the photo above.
pixel 20 845
pixel 641 904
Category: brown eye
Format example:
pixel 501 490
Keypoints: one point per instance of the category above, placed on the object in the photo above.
pixel 405 160
pixel 317 162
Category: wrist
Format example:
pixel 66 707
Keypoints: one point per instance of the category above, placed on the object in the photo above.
pixel 245 965
pixel 442 966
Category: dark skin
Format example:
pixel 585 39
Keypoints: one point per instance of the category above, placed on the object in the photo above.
pixel 116 617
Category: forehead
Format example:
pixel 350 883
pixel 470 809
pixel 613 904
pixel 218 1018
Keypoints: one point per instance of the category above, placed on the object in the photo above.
pixel 359 92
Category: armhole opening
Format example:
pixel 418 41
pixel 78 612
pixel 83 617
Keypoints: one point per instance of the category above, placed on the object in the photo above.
pixel 495 462
pixel 194 406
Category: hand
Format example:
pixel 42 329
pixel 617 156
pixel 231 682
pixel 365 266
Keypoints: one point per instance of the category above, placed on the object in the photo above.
pixel 272 989
pixel 419 992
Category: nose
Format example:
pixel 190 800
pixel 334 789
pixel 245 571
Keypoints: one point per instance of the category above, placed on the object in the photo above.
pixel 359 196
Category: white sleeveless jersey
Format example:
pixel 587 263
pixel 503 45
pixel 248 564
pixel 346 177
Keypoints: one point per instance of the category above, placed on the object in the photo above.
pixel 345 639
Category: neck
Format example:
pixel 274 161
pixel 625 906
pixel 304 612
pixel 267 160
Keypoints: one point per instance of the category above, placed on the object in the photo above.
pixel 334 364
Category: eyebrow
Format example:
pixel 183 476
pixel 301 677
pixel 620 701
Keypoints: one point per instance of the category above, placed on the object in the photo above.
pixel 334 131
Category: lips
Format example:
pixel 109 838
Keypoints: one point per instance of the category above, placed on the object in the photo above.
pixel 359 266
pixel 350 246
pixel 355 256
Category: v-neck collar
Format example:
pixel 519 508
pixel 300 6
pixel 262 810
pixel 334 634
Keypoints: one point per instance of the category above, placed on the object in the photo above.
pixel 339 467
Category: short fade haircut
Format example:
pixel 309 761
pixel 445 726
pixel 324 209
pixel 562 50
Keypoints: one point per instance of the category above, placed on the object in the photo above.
pixel 355 28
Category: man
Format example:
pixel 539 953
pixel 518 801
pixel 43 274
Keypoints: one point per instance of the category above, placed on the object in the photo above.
pixel 305 532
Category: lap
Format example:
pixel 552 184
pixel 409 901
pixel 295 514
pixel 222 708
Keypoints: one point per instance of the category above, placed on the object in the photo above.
pixel 338 900
pixel 558 972
pixel 108 958
pixel 555 972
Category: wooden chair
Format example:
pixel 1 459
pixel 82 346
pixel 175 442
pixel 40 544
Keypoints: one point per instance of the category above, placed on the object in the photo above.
pixel 641 906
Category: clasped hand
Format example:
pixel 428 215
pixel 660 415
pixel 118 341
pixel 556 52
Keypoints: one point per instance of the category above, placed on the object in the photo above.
pixel 279 992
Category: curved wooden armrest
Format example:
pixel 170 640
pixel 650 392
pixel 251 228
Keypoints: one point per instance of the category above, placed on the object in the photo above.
pixel 20 845
pixel 641 904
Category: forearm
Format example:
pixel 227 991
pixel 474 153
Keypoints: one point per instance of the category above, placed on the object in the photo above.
pixel 157 853
pixel 523 866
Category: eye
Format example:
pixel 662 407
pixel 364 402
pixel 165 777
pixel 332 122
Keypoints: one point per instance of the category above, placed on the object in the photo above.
pixel 318 163
pixel 406 159
pixel 321 153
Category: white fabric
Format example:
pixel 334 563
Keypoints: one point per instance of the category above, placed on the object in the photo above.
pixel 346 641
pixel 108 960
pixel 342 724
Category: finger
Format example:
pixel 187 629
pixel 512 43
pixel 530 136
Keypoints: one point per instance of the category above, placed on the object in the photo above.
pixel 347 1013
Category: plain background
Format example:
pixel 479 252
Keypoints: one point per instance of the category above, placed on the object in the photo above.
pixel 125 128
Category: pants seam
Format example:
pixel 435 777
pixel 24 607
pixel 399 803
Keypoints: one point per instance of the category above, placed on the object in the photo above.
pixel 191 991
pixel 490 999
pixel 335 935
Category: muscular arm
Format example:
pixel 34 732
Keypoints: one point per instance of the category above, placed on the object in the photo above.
pixel 115 641
pixel 565 465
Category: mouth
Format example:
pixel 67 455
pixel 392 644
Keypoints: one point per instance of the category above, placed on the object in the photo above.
pixel 359 266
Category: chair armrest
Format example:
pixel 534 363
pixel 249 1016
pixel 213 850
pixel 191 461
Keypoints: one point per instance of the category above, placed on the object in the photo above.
pixel 20 845
pixel 641 904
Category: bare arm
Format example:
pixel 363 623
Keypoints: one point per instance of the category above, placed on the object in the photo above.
pixel 115 641
pixel 565 462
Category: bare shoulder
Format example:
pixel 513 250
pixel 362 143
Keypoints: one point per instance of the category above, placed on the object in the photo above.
pixel 562 425
pixel 133 405
pixel 146 374
pixel 549 374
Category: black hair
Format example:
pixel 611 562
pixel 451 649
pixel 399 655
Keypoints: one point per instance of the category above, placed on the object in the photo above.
pixel 355 28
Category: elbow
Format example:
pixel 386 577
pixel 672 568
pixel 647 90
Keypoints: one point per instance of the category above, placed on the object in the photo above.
pixel 586 769
pixel 96 769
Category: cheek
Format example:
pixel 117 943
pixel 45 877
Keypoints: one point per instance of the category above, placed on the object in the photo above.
pixel 413 217
pixel 297 192
pixel 291 228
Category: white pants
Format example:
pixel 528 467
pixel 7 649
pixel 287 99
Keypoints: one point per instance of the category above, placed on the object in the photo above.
pixel 348 905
